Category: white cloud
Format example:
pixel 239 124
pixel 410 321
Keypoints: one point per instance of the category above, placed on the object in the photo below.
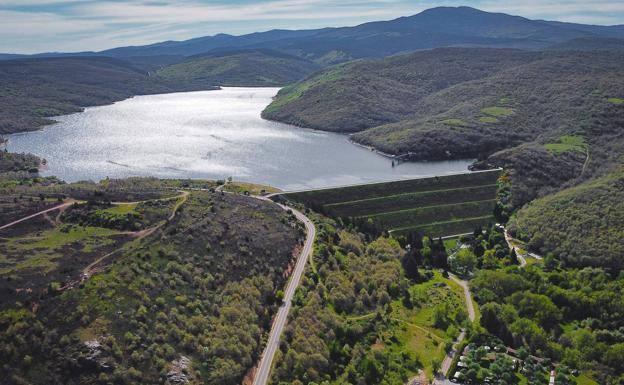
pixel 70 25
pixel 601 11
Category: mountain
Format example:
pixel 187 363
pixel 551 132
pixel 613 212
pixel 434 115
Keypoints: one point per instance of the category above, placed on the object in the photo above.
pixel 255 67
pixel 538 114
pixel 207 43
pixel 432 28
pixel 9 56
pixel 436 27
pixel 36 89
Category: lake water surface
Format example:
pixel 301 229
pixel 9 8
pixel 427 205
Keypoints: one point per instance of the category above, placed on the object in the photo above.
pixel 210 135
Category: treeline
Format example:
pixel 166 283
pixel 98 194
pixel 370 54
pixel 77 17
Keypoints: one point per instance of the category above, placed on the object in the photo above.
pixel 17 167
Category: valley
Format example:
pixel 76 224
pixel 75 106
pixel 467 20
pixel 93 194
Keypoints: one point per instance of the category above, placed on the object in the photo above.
pixel 432 199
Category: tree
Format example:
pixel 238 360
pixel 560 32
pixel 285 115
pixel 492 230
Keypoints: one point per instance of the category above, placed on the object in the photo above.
pixel 463 262
pixel 490 261
pixel 514 256
pixel 436 365
pixel 410 265
pixel 550 263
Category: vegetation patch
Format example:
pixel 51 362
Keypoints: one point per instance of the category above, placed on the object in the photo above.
pixel 488 119
pixel 248 188
pixel 498 112
pixel 454 122
pixel 617 101
pixel 568 143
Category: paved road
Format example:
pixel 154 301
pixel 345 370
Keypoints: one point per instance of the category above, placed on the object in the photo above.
pixel 62 205
pixel 264 368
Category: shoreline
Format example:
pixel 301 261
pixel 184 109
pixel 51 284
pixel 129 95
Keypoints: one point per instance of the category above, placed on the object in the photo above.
pixel 373 149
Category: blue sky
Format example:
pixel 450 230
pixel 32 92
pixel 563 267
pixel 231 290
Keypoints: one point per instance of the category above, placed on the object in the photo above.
pixel 28 26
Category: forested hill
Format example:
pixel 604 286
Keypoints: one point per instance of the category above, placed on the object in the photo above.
pixel 257 67
pixel 167 288
pixel 35 89
pixel 543 110
pixel 582 225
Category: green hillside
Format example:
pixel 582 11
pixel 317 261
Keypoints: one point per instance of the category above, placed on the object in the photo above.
pixel 438 206
pixel 187 293
pixel 239 68
pixel 506 108
pixel 582 225
pixel 364 94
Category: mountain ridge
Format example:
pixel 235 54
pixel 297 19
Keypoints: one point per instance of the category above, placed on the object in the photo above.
pixel 431 28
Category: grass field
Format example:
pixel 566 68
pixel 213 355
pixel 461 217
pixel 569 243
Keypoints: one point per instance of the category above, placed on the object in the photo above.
pixel 498 111
pixel 568 143
pixel 583 379
pixel 416 329
pixel 413 330
pixel 488 119
pixel 251 188
pixel 438 206
pixel 454 122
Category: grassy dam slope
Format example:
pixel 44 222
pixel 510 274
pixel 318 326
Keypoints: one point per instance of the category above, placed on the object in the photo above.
pixel 438 206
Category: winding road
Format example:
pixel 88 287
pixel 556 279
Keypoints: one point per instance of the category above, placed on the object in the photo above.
pixel 266 362
pixel 513 245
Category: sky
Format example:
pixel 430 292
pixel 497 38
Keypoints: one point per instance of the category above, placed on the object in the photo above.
pixel 30 26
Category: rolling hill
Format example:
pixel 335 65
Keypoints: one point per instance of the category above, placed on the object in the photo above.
pixel 33 90
pixel 258 67
pixel 504 107
pixel 582 225
pixel 190 296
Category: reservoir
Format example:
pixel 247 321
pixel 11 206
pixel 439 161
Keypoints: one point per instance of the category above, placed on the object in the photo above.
pixel 208 135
